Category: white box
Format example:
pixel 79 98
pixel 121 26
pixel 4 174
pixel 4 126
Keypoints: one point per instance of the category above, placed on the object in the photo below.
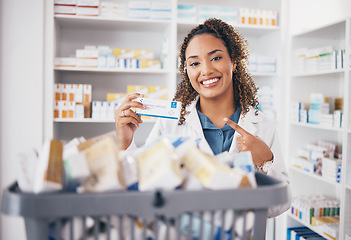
pixel 65 62
pixel 111 61
pixel 88 11
pixel 87 53
pixel 64 92
pixel 71 109
pixel 79 112
pixel 96 110
pixel 139 14
pixel 63 109
pixel 71 90
pixel 103 110
pixel 159 108
pixel 66 2
pixel 56 109
pixel 66 10
pixel 87 91
pixel 187 13
pixel 78 96
pixel 58 92
pixel 87 63
pixel 139 5
pixel 88 3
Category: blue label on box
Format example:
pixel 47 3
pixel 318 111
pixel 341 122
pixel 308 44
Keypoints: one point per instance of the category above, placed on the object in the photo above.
pixel 173 104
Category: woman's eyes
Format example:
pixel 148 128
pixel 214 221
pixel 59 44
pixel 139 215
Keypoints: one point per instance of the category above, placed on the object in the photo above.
pixel 194 64
pixel 216 58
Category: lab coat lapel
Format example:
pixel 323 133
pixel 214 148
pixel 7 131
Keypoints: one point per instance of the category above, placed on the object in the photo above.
pixel 194 124
pixel 248 123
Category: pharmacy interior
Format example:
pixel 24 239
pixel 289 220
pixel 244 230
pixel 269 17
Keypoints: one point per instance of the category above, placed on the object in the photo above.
pixel 69 79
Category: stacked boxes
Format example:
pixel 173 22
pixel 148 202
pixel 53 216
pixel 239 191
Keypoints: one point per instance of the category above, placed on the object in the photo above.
pixel 114 9
pixel 187 13
pixel 321 159
pixel 117 58
pixel 262 64
pixel 104 110
pixel 301 233
pixel 322 110
pixel 149 10
pixel 72 100
pixel 227 14
pixel 318 59
pixel 309 208
pixel 193 13
pixel 258 17
pixel 77 7
pixel 266 98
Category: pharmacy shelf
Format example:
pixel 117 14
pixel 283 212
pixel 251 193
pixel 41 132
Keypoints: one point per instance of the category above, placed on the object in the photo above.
pixel 91 120
pixel 313 74
pixel 113 70
pixel 337 35
pixel 258 74
pixel 332 30
pixel 314 176
pixel 104 23
pixel 313 228
pixel 246 30
pixel 316 126
pixel 254 74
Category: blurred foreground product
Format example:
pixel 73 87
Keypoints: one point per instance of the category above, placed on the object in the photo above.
pixel 159 167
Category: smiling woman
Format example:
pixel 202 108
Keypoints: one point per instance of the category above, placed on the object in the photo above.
pixel 219 104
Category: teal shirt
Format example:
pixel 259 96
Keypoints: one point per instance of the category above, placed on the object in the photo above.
pixel 219 139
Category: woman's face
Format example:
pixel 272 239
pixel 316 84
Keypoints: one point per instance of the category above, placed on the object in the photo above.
pixel 209 67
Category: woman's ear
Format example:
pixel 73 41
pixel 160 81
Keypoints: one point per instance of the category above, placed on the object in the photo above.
pixel 234 67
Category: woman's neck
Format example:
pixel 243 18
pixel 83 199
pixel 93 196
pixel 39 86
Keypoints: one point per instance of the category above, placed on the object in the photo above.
pixel 216 110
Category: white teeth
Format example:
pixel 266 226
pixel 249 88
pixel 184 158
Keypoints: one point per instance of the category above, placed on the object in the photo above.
pixel 210 81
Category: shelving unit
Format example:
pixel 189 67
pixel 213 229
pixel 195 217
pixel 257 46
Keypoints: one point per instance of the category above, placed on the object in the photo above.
pixel 333 83
pixel 65 34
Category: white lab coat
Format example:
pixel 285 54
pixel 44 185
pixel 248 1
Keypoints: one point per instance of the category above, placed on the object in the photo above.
pixel 254 124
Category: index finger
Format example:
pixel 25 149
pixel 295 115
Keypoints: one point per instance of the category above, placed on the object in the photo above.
pixel 236 127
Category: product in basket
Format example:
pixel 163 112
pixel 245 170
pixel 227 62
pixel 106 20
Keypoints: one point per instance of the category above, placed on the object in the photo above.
pixel 159 167
pixel 49 168
pixel 103 161
pixel 212 173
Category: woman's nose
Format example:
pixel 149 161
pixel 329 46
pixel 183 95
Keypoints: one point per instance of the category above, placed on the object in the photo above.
pixel 206 68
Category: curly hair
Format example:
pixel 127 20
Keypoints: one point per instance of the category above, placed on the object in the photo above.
pixel 245 90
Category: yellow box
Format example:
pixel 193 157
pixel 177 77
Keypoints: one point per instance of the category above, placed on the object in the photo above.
pixel 143 89
pixel 158 92
pixel 115 96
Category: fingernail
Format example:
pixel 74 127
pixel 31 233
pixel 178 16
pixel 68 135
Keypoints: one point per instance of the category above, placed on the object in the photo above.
pixel 144 107
pixel 225 119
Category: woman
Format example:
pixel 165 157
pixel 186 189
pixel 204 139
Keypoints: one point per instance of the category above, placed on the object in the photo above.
pixel 219 103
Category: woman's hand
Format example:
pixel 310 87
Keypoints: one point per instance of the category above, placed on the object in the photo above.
pixel 247 142
pixel 126 120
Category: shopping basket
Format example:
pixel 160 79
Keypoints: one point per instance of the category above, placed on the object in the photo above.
pixel 45 214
